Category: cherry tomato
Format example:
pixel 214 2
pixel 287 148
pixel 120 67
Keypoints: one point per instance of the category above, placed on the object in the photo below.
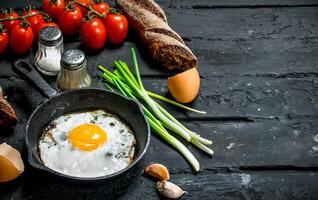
pixel 2 14
pixel 86 3
pixel 43 25
pixel 34 21
pixel 3 39
pixel 117 26
pixel 100 6
pixel 52 7
pixel 21 38
pixel 93 33
pixel 10 24
pixel 70 19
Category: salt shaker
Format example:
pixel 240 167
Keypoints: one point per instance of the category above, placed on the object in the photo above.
pixel 50 48
pixel 73 73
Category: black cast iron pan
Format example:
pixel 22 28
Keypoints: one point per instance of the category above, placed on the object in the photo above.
pixel 77 100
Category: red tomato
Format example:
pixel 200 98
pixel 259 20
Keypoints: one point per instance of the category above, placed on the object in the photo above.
pixel 3 40
pixel 117 26
pixel 86 3
pixel 34 21
pixel 70 20
pixel 43 25
pixel 10 24
pixel 94 33
pixel 100 7
pixel 21 38
pixel 2 14
pixel 52 7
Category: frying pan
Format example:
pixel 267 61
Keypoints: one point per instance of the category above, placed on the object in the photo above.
pixel 81 99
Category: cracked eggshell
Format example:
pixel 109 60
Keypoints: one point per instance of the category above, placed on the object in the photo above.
pixel 11 164
pixel 185 86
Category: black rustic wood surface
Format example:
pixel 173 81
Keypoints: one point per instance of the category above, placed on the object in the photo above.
pixel 259 72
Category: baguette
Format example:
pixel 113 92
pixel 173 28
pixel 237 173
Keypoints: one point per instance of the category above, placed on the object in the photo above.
pixel 7 114
pixel 149 21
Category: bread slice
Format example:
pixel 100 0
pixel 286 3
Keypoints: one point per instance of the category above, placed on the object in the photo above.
pixel 7 114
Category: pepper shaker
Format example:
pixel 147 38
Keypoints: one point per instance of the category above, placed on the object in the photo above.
pixel 50 48
pixel 73 73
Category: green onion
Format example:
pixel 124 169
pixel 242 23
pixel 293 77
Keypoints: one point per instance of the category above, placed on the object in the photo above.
pixel 174 102
pixel 161 131
pixel 108 87
pixel 159 119
pixel 151 104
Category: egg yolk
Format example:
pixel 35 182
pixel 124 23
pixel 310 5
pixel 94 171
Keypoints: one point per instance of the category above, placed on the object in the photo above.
pixel 87 137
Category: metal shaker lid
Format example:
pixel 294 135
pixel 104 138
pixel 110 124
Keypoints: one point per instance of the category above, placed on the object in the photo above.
pixel 50 36
pixel 73 59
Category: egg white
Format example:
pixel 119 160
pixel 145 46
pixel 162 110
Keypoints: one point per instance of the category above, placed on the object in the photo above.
pixel 58 153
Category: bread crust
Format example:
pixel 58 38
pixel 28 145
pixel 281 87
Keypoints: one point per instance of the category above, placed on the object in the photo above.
pixel 7 114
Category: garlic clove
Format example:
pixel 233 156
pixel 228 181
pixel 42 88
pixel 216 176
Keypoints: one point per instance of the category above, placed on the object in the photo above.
pixel 158 171
pixel 170 190
pixel 11 164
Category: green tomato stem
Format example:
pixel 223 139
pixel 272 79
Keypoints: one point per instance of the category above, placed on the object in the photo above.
pixel 19 18
pixel 89 8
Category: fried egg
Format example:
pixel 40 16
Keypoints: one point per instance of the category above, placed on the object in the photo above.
pixel 87 144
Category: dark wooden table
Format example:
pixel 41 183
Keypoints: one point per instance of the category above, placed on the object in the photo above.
pixel 259 73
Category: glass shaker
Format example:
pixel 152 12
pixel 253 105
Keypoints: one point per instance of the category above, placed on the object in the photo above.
pixel 50 48
pixel 73 73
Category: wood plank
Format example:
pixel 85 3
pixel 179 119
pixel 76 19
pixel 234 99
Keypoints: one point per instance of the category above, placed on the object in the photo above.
pixel 20 4
pixel 199 4
pixel 213 64
pixel 261 42
pixel 249 41
pixel 275 186
pixel 36 3
pixel 242 148
pixel 289 145
pixel 243 185
pixel 240 41
pixel 248 99
pixel 233 171
pixel 259 85
pixel 238 144
pixel 193 4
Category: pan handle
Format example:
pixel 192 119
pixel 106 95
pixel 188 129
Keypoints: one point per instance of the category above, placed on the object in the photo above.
pixel 25 69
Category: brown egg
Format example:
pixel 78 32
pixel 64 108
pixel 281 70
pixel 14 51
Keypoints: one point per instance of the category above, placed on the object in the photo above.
pixel 11 164
pixel 185 86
